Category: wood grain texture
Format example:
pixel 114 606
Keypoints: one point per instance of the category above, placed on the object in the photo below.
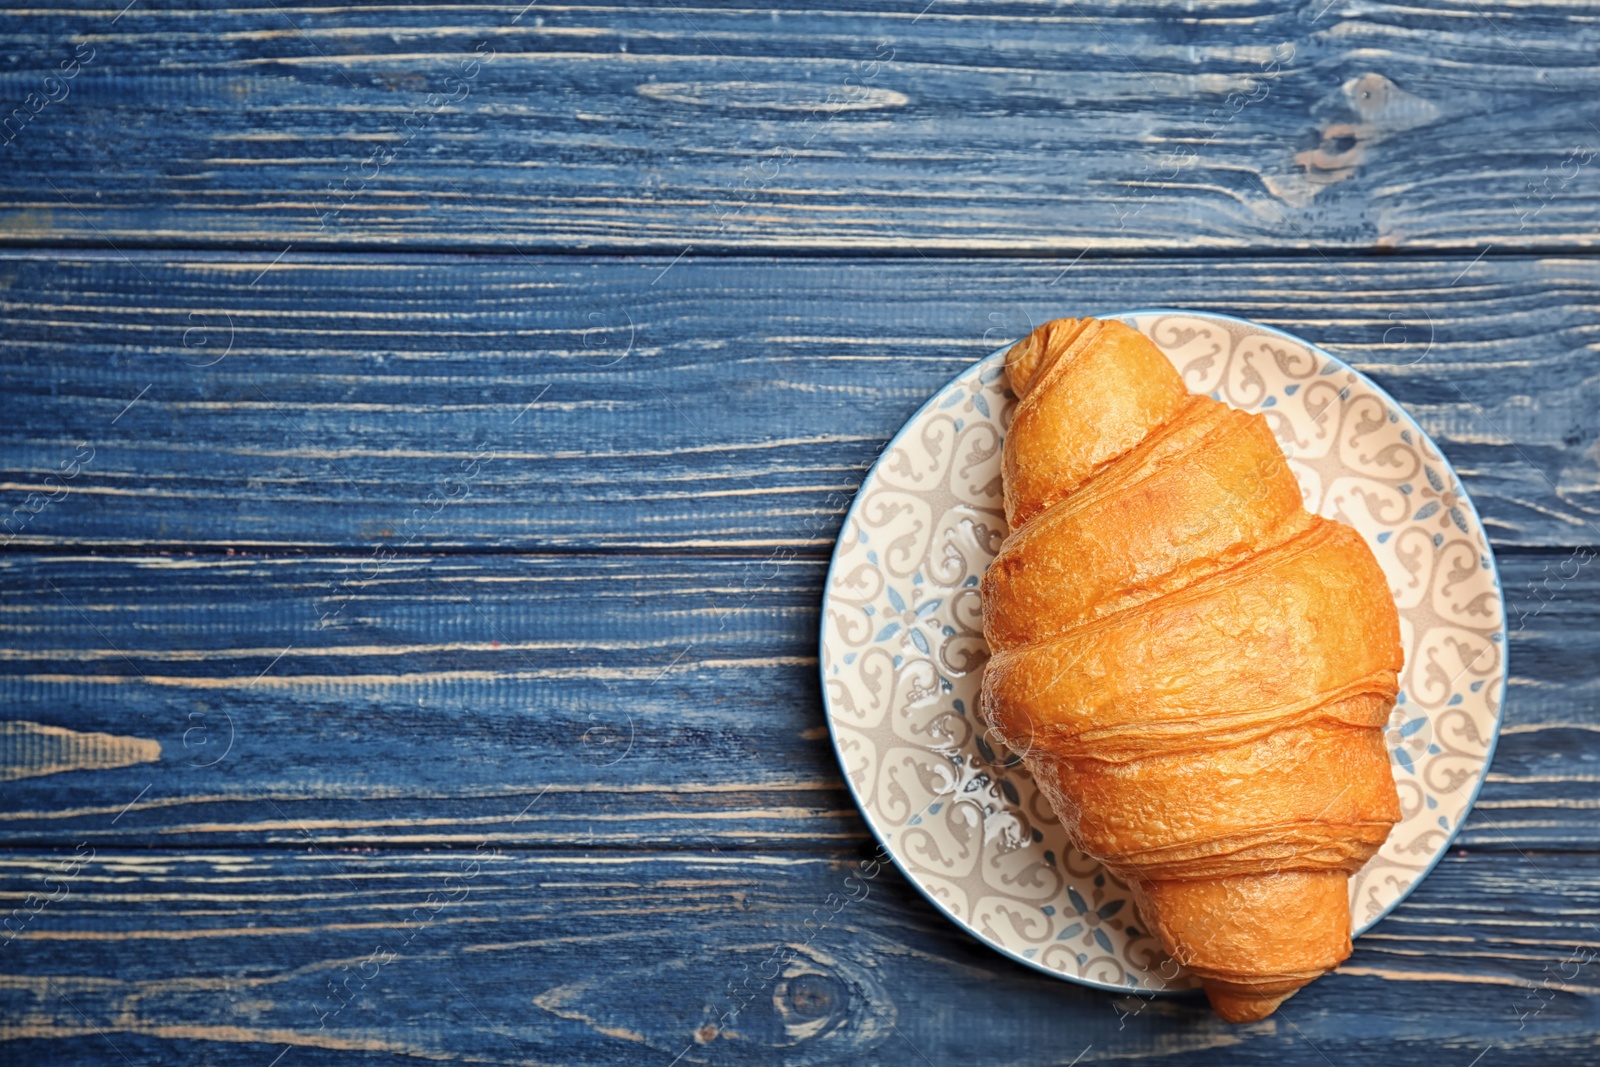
pixel 512 957
pixel 409 655
pixel 956 125
pixel 559 702
pixel 418 403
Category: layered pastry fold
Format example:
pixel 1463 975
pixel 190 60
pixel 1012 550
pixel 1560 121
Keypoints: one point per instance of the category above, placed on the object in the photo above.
pixel 1196 670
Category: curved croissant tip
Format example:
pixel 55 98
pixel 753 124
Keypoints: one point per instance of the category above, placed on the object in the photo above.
pixel 1029 357
pixel 1236 1007
pixel 1021 363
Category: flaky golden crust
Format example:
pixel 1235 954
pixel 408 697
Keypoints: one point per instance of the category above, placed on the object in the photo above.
pixel 1196 670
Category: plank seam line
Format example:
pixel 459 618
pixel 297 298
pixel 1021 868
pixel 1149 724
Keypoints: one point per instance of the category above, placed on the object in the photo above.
pixel 819 552
pixel 131 248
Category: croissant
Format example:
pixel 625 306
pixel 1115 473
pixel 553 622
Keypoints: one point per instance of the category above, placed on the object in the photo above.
pixel 1196 670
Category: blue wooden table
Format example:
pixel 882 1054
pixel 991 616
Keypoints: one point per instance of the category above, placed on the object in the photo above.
pixel 426 427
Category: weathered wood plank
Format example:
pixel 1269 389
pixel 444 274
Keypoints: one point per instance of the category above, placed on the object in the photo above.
pixel 420 403
pixel 301 690
pixel 641 738
pixel 565 702
pixel 532 958
pixel 882 125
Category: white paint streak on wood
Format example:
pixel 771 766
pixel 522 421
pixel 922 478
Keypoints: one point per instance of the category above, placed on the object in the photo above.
pixel 31 750
pixel 1572 803
pixel 1447 976
pixel 773 96
pixel 90 655
pixel 361 681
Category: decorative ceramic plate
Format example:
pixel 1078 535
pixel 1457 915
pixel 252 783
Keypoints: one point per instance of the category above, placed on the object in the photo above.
pixel 903 652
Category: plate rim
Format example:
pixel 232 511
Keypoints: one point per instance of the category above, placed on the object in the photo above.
pixel 973 368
